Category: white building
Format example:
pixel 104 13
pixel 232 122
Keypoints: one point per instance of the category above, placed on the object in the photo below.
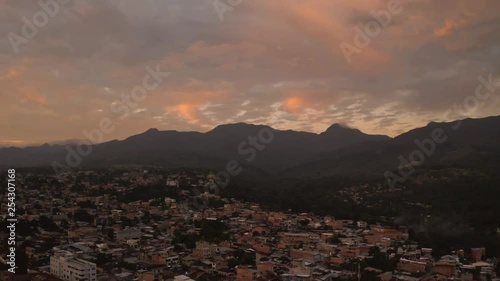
pixel 172 183
pixel 66 266
pixel 134 243
pixel 182 278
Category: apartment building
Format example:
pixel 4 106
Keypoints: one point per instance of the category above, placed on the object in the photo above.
pixel 66 266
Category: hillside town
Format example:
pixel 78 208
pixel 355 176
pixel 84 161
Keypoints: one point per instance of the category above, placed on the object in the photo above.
pixel 141 225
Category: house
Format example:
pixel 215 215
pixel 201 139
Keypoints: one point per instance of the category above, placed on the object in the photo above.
pixel 414 267
pixel 264 267
pixel 182 278
pixel 128 233
pixel 445 267
pixel 245 274
pixel 477 254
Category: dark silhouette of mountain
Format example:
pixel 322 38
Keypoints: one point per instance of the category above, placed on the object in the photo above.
pixel 213 149
pixel 340 132
pixel 472 143
pixel 287 153
pixel 484 131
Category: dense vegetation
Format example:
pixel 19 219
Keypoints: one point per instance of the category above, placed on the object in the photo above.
pixel 445 209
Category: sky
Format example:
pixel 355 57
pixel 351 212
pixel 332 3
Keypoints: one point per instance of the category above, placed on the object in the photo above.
pixel 279 63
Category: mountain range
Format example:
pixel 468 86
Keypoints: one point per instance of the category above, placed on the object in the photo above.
pixel 338 150
pixel 340 172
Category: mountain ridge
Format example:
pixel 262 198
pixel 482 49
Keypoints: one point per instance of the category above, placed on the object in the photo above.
pixel 337 149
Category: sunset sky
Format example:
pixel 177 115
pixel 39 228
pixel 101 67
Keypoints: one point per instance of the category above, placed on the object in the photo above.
pixel 273 62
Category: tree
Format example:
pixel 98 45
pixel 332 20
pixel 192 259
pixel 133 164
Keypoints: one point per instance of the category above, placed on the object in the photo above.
pixel 102 259
pixel 111 234
pixel 47 224
pixel 379 260
pixel 64 224
pixel 146 218
pixel 304 223
pixel 82 215
pixel 333 240
pixel 22 261
pixel 213 230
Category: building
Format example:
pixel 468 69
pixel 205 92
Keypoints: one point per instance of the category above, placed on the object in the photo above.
pixel 291 238
pixel 477 254
pixel 203 250
pixel 245 274
pixel 127 234
pixel 172 183
pixel 446 268
pixel 182 278
pixel 150 275
pixel 264 267
pixel 66 266
pixel 414 267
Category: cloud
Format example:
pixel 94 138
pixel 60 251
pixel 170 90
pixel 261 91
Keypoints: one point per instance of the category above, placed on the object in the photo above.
pixel 269 62
pixel 12 74
pixel 449 27
pixel 294 104
pixel 187 111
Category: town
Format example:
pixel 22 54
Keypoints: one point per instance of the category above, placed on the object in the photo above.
pixel 140 224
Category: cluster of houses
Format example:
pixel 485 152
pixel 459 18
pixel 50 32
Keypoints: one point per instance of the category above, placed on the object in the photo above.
pixel 99 237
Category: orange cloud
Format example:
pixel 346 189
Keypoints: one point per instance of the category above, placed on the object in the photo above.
pixel 294 104
pixel 12 74
pixel 187 111
pixel 12 142
pixel 449 26
pixel 29 95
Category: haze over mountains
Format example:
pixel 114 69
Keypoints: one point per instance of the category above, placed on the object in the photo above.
pixel 338 150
